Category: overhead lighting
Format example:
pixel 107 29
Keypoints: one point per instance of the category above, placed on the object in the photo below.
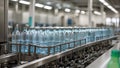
pixel 77 11
pixel 82 12
pixel 67 10
pixel 97 13
pixel 47 7
pixel 14 0
pixel 109 6
pixel 39 5
pixel 24 2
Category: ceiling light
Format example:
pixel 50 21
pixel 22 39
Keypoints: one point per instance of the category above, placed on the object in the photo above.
pixel 82 12
pixel 108 5
pixel 67 10
pixel 77 11
pixel 24 2
pixel 39 5
pixel 97 13
pixel 48 7
pixel 14 0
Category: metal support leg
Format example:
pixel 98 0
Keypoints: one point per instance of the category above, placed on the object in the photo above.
pixel 54 49
pixel 19 54
pixel 49 51
pixel 74 44
pixel 35 50
pixel 29 50
pixel 60 48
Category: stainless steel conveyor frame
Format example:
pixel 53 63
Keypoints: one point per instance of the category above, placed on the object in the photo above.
pixel 19 45
pixel 42 61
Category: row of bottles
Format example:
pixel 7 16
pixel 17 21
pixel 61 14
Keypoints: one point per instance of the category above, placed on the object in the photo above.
pixel 57 35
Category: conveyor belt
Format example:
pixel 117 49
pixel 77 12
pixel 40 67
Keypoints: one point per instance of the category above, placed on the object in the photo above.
pixel 7 57
pixel 102 61
pixel 42 61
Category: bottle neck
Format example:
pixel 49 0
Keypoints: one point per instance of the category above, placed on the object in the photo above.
pixel 16 28
pixel 25 29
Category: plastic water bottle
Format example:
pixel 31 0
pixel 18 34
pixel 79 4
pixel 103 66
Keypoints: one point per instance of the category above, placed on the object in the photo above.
pixel 71 38
pixel 62 35
pixel 16 35
pixel 82 36
pixel 96 34
pixel 30 36
pixel 37 37
pixel 56 36
pixel 41 37
pixel 45 36
pixel 77 36
pixel 25 40
pixel 93 35
pixel 66 35
pixel 15 38
pixel 34 36
pixel 39 41
pixel 50 37
pixel 87 35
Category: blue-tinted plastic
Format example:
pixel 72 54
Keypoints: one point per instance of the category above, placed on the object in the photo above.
pixel 51 37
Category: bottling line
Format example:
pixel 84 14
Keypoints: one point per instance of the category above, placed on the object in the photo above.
pixel 54 47
pixel 58 47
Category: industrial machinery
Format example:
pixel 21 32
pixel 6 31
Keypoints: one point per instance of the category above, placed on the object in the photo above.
pixel 77 57
pixel 62 47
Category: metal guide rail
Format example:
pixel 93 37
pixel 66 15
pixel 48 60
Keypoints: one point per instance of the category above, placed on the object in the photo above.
pixel 7 57
pixel 66 27
pixel 50 49
pixel 47 59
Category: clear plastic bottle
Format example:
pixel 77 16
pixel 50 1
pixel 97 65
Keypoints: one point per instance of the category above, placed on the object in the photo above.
pixel 71 37
pixel 45 40
pixel 114 61
pixel 30 36
pixel 34 39
pixel 15 38
pixel 46 37
pixel 40 41
pixel 41 37
pixel 25 40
